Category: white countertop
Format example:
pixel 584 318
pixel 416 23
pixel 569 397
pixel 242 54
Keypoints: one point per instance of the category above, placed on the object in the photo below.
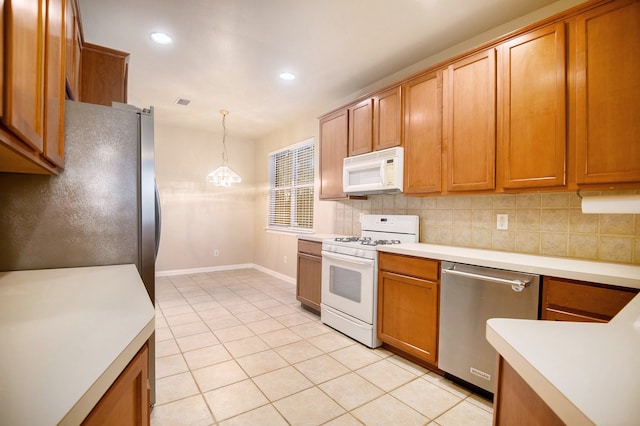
pixel 598 272
pixel 587 373
pixel 66 335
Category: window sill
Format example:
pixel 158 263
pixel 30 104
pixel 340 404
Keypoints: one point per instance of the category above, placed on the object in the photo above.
pixel 291 232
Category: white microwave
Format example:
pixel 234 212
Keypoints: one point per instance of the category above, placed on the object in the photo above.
pixel 376 172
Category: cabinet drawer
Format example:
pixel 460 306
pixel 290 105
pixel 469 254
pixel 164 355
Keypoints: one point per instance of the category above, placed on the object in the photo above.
pixel 583 299
pixel 310 247
pixel 409 265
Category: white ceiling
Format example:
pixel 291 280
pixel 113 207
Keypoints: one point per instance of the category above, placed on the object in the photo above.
pixel 228 54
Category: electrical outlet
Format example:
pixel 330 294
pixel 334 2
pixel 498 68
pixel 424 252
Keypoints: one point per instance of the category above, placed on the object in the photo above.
pixel 502 222
pixel 216 252
pixel 284 259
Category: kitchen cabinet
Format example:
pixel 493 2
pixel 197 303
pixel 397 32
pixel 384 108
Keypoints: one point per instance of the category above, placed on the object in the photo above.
pixel 470 122
pixel 571 300
pixel 376 123
pixel 532 109
pixel 127 400
pixel 31 128
pixel 361 127
pixel 515 403
pixel 605 91
pixel 423 134
pixel 308 282
pixel 387 123
pixel 334 132
pixel 73 50
pixel 408 297
pixel 104 75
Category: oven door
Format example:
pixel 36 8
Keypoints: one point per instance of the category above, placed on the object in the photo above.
pixel 349 285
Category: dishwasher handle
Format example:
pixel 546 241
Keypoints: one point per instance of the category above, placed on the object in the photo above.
pixel 516 285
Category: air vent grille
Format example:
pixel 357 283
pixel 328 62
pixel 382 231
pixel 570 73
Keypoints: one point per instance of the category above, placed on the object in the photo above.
pixel 182 101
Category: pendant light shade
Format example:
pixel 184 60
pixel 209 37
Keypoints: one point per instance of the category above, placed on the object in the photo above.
pixel 224 175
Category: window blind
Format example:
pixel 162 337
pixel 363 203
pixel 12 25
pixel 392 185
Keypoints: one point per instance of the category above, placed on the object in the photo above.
pixel 291 187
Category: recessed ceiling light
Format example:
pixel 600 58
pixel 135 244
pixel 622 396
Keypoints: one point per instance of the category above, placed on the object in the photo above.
pixel 287 76
pixel 161 38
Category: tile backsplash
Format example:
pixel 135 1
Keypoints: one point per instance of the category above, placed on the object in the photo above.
pixel 548 224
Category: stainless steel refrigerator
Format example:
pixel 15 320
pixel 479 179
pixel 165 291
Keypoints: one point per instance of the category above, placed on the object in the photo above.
pixel 103 209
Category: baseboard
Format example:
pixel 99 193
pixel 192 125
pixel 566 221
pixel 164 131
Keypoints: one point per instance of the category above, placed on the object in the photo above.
pixel 175 272
pixel 283 277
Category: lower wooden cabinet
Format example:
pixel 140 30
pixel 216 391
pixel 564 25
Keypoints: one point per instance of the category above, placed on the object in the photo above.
pixel 515 403
pixel 308 283
pixel 408 300
pixel 570 300
pixel 127 400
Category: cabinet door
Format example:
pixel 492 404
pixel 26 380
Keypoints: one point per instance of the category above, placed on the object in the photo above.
pixel 408 314
pixel 333 149
pixel 127 400
pixel 423 134
pixel 532 109
pixel 73 50
pixel 470 124
pixel 387 124
pixel 23 110
pixel 361 127
pixel 607 94
pixel 308 290
pixel 55 83
pixel 104 75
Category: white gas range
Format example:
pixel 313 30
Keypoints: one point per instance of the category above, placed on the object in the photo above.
pixel 350 274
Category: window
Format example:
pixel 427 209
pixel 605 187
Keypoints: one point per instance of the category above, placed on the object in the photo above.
pixel 291 187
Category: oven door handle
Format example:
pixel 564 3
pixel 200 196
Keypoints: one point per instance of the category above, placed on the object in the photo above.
pixel 350 259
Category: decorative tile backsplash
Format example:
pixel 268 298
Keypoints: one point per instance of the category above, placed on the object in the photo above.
pixel 548 224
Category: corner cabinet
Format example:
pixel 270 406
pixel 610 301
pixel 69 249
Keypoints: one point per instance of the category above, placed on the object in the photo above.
pixel 532 109
pixel 408 300
pixel 606 94
pixel 104 75
pixel 33 81
pixel 423 134
pixel 334 131
pixel 308 282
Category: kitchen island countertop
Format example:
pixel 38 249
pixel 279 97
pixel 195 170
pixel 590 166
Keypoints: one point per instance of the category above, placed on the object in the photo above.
pixel 66 335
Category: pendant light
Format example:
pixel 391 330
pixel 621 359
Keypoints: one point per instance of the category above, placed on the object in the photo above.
pixel 223 175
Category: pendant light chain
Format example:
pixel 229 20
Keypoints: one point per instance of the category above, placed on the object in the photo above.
pixel 225 157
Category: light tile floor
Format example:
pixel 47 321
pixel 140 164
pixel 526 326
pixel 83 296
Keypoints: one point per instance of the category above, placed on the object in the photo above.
pixel 236 348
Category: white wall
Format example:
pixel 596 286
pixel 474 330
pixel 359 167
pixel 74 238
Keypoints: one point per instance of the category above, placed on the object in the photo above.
pixel 198 217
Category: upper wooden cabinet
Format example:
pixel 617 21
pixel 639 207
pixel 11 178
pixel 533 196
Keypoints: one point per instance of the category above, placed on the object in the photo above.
pixel 470 123
pixel 361 127
pixel 387 123
pixel 104 75
pixel 31 128
pixel 334 131
pixel 423 134
pixel 376 123
pixel 73 50
pixel 605 61
pixel 532 109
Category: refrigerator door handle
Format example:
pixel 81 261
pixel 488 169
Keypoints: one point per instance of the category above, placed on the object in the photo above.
pixel 158 217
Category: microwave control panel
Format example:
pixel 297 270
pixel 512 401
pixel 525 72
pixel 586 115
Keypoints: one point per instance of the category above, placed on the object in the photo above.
pixel 389 172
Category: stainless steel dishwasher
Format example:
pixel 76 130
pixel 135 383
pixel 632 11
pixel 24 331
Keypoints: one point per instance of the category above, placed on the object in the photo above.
pixel 469 296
